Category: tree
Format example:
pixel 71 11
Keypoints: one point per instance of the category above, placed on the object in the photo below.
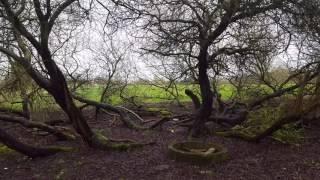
pixel 31 23
pixel 203 31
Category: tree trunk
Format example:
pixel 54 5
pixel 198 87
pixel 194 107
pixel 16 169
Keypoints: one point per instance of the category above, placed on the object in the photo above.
pixel 205 109
pixel 194 98
pixel 25 103
pixel 317 87
pixel 63 97
pixel 56 83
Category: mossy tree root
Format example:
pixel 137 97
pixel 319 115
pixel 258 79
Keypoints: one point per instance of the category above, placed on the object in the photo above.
pixel 124 113
pixel 29 150
pixel 237 134
pixel 242 134
pixel 103 143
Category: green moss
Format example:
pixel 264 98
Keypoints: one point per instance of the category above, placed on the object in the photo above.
pixel 104 143
pixel 62 149
pixel 258 121
pixel 5 150
pixel 165 113
pixel 162 111
pixel 154 109
pixel 289 135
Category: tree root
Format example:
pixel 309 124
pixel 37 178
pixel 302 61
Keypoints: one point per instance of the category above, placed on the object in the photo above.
pixel 61 133
pixel 124 114
pixel 237 134
pixel 30 150
pixel 257 137
pixel 104 143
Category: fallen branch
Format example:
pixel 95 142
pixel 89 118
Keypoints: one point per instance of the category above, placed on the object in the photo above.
pixel 133 113
pixel 57 131
pixel 29 150
pixel 56 122
pixel 281 92
pixel 124 116
pixel 308 114
pixel 159 123
pixel 120 145
pixel 123 113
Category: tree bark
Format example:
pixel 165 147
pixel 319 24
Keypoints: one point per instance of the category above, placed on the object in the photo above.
pixel 194 98
pixel 205 109
pixel 25 103
pixel 62 96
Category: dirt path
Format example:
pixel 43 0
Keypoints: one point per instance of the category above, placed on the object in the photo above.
pixel 267 160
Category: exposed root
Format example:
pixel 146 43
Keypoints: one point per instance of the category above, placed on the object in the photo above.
pixel 124 115
pixel 128 117
pixel 237 134
pixel 104 143
pixel 130 111
pixel 30 150
pixel 61 133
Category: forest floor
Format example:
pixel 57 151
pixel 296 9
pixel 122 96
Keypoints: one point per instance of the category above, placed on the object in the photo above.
pixel 267 160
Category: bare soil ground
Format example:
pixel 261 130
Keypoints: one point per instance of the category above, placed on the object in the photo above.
pixel 266 160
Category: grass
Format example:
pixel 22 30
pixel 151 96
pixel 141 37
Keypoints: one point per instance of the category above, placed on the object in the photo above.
pixel 143 94
pixel 151 94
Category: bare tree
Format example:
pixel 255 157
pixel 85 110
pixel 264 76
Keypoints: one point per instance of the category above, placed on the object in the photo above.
pixel 204 30
pixel 33 23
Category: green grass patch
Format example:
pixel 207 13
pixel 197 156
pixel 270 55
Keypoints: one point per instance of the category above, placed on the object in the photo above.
pixel 142 94
pixel 151 94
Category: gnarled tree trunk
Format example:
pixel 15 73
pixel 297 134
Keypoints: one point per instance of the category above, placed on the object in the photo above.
pixel 205 109
pixel 194 98
pixel 59 90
